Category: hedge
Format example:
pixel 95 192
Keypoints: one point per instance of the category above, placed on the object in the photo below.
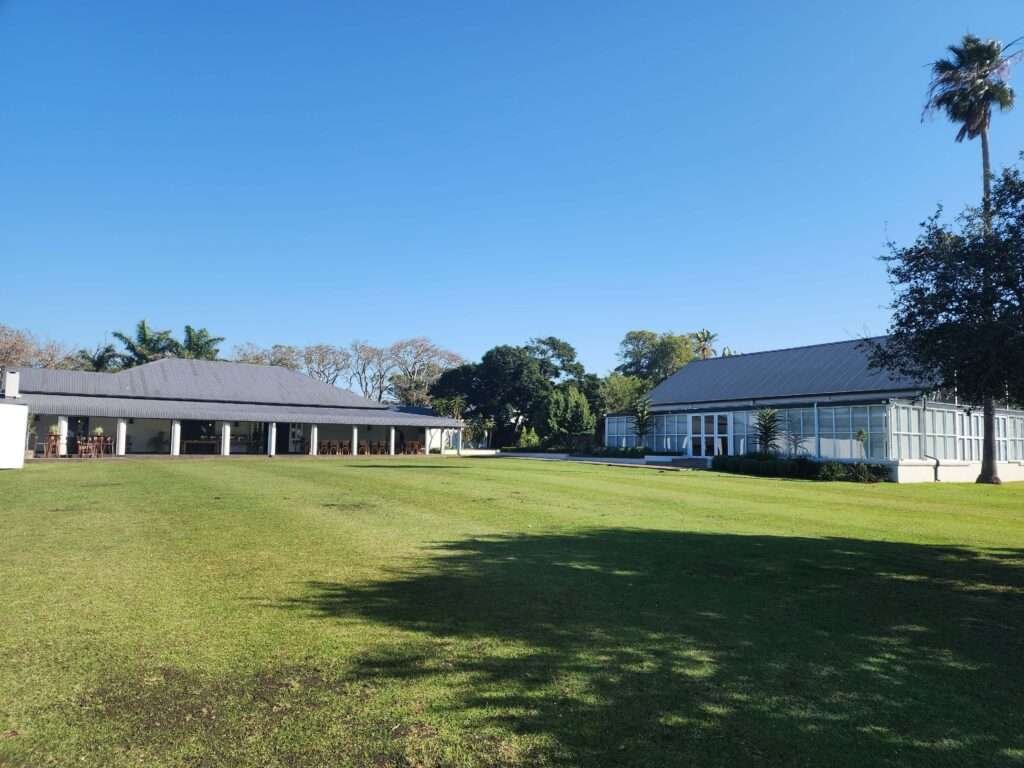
pixel 801 468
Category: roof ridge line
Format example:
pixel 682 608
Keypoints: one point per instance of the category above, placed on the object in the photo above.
pixel 783 349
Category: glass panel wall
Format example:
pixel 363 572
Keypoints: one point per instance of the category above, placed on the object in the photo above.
pixel 853 433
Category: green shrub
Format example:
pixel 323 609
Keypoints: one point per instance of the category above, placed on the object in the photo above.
pixel 803 468
pixel 528 439
pixel 831 470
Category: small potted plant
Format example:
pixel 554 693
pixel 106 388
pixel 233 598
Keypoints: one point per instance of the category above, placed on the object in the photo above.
pixel 98 432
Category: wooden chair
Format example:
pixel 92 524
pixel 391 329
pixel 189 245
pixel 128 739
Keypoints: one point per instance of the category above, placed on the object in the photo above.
pixel 108 446
pixel 322 449
pixel 346 447
pixel 52 446
pixel 364 448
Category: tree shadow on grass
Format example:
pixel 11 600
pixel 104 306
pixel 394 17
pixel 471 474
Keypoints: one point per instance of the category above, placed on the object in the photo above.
pixel 651 648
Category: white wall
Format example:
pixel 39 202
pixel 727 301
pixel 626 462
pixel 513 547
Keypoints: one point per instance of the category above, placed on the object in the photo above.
pixel 954 471
pixel 13 423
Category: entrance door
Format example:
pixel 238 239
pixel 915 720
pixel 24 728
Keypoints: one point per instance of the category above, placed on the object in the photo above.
pixel 709 434
pixel 283 444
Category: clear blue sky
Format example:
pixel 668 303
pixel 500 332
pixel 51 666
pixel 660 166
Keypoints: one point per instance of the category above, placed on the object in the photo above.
pixel 478 173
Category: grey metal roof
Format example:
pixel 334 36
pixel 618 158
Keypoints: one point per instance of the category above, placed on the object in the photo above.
pixel 212 380
pixel 822 369
pixel 141 408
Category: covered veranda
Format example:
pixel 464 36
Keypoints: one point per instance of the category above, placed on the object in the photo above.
pixel 69 426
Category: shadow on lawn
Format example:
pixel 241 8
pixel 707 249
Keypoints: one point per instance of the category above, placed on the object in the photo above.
pixel 630 647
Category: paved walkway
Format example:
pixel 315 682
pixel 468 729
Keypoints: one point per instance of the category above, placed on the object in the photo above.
pixel 611 462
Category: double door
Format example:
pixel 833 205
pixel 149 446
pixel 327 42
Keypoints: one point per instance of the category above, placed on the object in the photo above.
pixel 709 434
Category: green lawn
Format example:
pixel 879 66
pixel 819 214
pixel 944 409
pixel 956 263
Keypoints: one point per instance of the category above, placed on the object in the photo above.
pixel 447 612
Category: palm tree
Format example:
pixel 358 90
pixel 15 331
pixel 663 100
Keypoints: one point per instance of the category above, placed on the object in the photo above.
pixel 147 345
pixel 200 345
pixel 704 339
pixel 103 358
pixel 966 86
pixel 729 352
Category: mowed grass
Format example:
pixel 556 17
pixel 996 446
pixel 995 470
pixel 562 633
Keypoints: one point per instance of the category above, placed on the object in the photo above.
pixel 496 612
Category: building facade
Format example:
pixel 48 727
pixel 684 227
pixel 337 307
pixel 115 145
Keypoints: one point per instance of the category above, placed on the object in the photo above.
pixel 831 406
pixel 179 407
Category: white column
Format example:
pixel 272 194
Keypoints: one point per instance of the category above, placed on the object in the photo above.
pixel 458 436
pixel 441 444
pixel 817 432
pixel 313 437
pixel 272 438
pixel 175 438
pixel 355 440
pixel 391 444
pixel 62 444
pixel 121 440
pixel 225 438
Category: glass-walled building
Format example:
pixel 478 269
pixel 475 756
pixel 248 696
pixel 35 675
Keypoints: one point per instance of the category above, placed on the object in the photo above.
pixel 830 406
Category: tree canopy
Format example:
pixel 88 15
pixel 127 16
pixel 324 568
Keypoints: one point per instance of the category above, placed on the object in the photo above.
pixel 654 357
pixel 958 307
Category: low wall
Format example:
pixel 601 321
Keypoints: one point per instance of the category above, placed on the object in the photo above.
pixel 953 471
pixel 13 421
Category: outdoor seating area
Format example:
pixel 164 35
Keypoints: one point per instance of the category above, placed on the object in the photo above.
pixel 368 448
pixel 92 447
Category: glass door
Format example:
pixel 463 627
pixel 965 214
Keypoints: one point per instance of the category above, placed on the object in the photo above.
pixel 709 434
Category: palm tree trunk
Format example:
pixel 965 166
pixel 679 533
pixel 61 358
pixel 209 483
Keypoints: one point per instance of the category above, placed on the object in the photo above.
pixel 986 180
pixel 989 473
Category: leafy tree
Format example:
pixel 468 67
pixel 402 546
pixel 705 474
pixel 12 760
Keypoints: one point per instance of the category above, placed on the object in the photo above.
pixel 557 358
pixel 104 357
pixel 958 309
pixel 146 345
pixel 508 385
pixel 767 429
pixel 654 357
pixel 569 418
pixel 528 439
pixel 618 392
pixel 453 407
pixel 966 86
pixel 200 344
pixel 729 352
pixel 643 419
pixel 703 341
pixel 579 419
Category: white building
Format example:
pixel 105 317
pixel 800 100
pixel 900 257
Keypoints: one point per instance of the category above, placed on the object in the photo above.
pixel 831 405
pixel 180 407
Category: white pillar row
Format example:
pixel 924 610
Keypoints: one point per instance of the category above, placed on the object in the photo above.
pixel 62 444
pixel 391 444
pixel 121 440
pixel 314 436
pixel 355 440
pixel 175 438
pixel 272 438
pixel 225 438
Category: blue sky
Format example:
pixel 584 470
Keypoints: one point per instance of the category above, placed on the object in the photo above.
pixel 478 173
